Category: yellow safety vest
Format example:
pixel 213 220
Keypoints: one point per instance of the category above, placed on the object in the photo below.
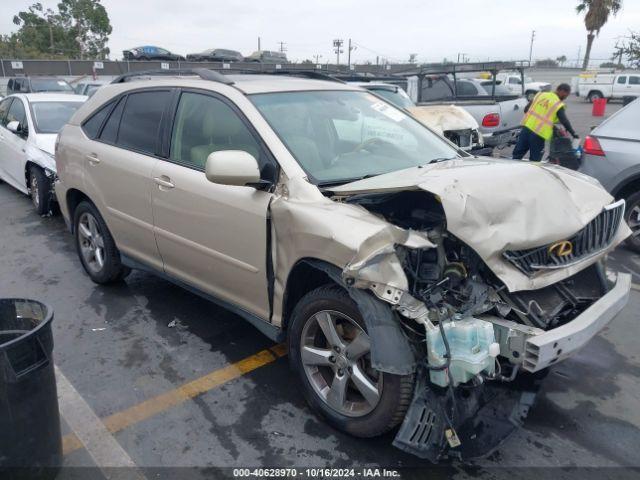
pixel 542 114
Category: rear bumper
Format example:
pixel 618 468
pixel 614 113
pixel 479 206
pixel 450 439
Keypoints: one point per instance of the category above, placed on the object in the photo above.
pixel 550 347
pixel 504 137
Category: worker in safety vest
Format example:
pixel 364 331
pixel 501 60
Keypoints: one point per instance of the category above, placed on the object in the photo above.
pixel 541 114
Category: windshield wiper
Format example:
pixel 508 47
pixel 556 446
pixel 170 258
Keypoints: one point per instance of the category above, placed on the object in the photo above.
pixel 441 159
pixel 334 183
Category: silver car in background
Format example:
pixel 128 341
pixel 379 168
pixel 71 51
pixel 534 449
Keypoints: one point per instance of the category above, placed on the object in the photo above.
pixel 611 154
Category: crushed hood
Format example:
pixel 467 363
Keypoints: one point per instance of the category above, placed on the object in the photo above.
pixel 495 205
pixel 442 118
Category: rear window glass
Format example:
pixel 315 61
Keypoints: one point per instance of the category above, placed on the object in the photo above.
pixel 141 120
pixel 50 85
pixel 623 124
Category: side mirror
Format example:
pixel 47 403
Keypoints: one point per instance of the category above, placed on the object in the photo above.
pixel 14 126
pixel 232 167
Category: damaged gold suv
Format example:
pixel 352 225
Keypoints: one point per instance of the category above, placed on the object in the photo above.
pixel 414 285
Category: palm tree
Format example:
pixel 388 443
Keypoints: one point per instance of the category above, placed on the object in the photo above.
pixel 597 14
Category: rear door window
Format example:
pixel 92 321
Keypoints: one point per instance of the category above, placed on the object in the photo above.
pixel 141 120
pixel 633 80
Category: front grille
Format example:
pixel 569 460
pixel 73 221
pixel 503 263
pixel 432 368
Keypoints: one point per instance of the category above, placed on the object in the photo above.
pixel 596 236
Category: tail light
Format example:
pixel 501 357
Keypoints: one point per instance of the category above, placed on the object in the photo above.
pixel 592 146
pixel 491 120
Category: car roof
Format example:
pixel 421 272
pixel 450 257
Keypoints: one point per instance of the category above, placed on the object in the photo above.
pixel 246 83
pixel 52 97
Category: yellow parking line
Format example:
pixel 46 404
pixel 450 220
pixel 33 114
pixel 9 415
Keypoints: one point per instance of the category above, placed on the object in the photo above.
pixel 148 408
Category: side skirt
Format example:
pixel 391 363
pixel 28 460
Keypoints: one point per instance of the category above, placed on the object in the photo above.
pixel 274 333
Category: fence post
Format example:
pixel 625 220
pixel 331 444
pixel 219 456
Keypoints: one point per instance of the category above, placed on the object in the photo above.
pixel 2 63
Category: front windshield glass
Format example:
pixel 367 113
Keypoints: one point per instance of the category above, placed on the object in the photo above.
pixel 50 117
pixel 342 136
pixel 50 85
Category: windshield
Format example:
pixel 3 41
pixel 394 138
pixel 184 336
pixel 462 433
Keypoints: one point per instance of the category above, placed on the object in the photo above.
pixel 50 117
pixel 50 85
pixel 399 98
pixel 342 136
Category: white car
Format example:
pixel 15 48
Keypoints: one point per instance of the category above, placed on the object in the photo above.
pixel 29 125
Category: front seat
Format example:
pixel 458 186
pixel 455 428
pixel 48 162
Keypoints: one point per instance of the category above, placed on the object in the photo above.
pixel 223 132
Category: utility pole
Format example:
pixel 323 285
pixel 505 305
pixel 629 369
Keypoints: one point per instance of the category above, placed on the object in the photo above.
pixel 533 36
pixel 50 36
pixel 579 53
pixel 463 57
pixel 317 57
pixel 349 53
pixel 282 47
pixel 337 47
pixel 258 43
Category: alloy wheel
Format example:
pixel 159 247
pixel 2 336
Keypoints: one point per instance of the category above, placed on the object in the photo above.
pixel 335 353
pixel 91 242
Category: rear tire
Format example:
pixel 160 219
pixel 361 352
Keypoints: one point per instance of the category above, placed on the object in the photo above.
pixel 95 245
pixel 594 96
pixel 39 190
pixel 632 217
pixel 384 405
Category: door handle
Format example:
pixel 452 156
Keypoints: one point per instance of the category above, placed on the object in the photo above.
pixel 163 182
pixel 93 159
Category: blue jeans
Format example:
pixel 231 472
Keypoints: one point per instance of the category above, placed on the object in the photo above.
pixel 531 142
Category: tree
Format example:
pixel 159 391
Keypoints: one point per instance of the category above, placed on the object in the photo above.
pixel 561 59
pixel 546 63
pixel 631 49
pixel 596 15
pixel 79 28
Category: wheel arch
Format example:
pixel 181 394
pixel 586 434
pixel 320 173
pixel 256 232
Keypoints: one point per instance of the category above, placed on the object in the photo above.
pixel 628 187
pixel 74 197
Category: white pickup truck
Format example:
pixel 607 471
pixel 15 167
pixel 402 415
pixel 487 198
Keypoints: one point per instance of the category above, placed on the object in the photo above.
pixel 512 81
pixel 594 85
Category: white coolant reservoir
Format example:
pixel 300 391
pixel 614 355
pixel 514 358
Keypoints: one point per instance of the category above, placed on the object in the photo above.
pixel 473 350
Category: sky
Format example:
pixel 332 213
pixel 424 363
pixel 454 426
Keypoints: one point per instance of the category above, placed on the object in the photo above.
pixel 434 30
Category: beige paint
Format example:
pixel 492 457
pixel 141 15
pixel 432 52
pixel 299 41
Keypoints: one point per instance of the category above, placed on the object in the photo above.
pixel 213 236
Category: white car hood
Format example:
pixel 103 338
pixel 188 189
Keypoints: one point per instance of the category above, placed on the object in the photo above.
pixel 496 205
pixel 46 142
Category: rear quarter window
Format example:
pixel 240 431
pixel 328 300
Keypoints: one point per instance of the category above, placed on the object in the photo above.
pixel 92 126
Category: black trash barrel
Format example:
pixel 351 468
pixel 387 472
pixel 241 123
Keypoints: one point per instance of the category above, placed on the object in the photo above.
pixel 30 439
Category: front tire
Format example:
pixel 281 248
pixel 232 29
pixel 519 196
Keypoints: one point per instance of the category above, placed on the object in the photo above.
pixel 632 217
pixel 95 245
pixel 329 349
pixel 39 190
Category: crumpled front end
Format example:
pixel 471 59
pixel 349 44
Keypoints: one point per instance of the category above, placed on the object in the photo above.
pixel 425 255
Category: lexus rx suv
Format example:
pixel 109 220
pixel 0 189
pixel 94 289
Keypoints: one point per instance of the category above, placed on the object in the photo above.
pixel 412 283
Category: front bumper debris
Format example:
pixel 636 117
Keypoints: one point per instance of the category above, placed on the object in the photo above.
pixel 550 347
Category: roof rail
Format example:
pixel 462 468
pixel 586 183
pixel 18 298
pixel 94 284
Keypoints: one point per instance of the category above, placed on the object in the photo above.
pixel 203 73
pixel 312 74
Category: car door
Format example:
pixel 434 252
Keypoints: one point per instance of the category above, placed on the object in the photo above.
pixel 16 144
pixel 4 133
pixel 620 86
pixel 212 236
pixel 119 166
pixel 633 89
